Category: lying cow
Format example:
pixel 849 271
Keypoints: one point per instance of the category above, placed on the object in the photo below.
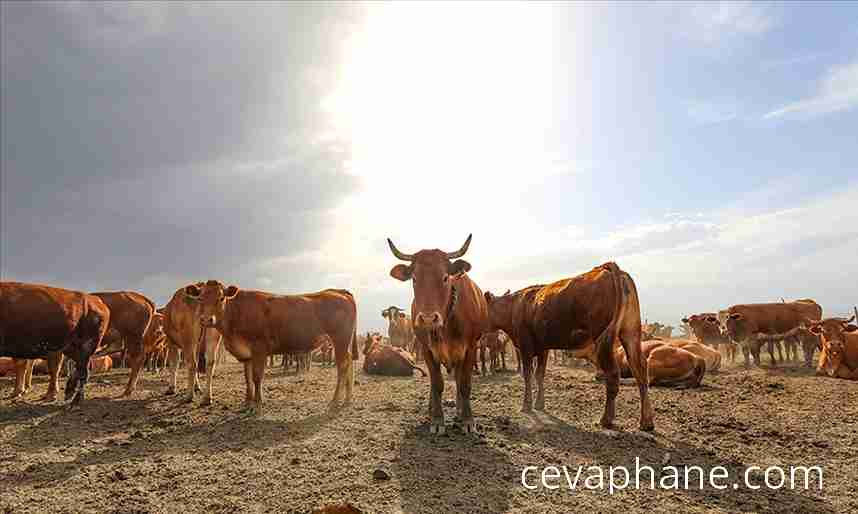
pixel 666 364
pixel 37 321
pixel 711 356
pixel 388 361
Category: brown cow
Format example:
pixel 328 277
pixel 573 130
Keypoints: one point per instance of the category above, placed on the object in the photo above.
pixel 38 320
pixel 587 314
pixel 130 316
pixel 324 353
pixel 711 356
pixel 388 361
pixel 745 322
pixel 399 327
pixel 449 315
pixel 839 355
pixel 198 347
pixel 707 329
pixel 101 364
pixel 673 366
pixel 255 324
pixel 495 343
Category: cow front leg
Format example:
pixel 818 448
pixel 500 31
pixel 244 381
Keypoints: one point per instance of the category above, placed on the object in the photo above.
pixel 55 361
pixel 190 358
pixel 542 362
pixel 173 375
pixel 249 387
pixel 463 396
pixel 211 362
pixel 20 378
pixel 258 363
pixel 436 379
pixel 771 348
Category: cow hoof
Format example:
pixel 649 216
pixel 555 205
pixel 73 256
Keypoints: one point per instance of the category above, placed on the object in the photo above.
pixel 469 427
pixel 188 399
pixel 207 401
pixel 540 406
pixel 527 409
pixel 648 428
pixel 48 398
pixel 437 428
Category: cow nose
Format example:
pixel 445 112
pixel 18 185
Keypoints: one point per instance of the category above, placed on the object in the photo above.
pixel 207 321
pixel 424 319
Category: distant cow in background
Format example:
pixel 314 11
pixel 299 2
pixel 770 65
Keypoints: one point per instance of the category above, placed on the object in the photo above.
pixel 707 330
pixel 745 322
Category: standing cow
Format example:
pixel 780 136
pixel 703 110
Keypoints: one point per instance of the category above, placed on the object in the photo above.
pixel 130 316
pixel 745 322
pixel 707 329
pixel 255 324
pixel 198 347
pixel 449 315
pixel 588 314
pixel 38 320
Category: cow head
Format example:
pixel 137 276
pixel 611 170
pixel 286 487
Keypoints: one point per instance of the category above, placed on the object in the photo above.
pixel 432 274
pixel 831 329
pixel 210 301
pixel 156 329
pixel 500 309
pixel 703 325
pixel 737 327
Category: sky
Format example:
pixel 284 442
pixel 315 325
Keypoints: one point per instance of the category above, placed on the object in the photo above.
pixel 708 148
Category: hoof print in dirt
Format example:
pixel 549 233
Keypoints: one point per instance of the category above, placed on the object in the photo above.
pixel 380 474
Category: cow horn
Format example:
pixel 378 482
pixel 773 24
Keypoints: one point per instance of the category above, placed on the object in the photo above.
pixel 461 251
pixel 399 255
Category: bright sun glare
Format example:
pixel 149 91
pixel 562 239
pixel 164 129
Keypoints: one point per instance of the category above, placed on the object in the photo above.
pixel 434 96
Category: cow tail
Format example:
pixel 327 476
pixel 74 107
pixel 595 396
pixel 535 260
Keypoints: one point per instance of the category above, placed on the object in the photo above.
pixel 418 368
pixel 354 343
pixel 152 310
pixel 608 338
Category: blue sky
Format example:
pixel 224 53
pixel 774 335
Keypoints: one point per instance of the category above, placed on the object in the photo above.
pixel 709 148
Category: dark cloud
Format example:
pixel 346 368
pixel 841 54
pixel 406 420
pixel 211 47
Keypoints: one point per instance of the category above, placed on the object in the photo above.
pixel 175 139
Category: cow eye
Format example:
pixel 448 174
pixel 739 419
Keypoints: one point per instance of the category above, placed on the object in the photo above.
pixel 446 278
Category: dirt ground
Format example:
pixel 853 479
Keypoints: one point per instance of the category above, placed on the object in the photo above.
pixel 152 453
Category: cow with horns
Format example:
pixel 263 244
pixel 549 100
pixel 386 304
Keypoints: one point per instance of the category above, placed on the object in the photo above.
pixel 449 315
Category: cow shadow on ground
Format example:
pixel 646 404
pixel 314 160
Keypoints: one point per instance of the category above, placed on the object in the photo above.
pixel 566 444
pixel 109 431
pixel 451 473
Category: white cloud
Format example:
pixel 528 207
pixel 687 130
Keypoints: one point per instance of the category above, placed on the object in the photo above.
pixel 837 91
pixel 713 22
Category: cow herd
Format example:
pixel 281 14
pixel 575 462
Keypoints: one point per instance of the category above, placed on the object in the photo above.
pixel 453 324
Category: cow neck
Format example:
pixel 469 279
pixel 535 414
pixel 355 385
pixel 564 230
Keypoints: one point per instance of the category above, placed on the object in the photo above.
pixel 454 299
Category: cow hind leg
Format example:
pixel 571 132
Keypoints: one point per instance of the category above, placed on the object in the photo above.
pixel 542 362
pixel 136 356
pixel 190 358
pixel 640 372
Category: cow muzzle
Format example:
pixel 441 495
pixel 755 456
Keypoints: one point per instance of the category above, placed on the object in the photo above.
pixel 207 321
pixel 430 321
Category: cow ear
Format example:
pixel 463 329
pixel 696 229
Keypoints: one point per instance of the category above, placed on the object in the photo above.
pixel 193 291
pixel 850 328
pixel 735 315
pixel 685 320
pixel 458 267
pixel 230 292
pixel 401 272
pixel 489 296
pixel 815 329
pixel 384 313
